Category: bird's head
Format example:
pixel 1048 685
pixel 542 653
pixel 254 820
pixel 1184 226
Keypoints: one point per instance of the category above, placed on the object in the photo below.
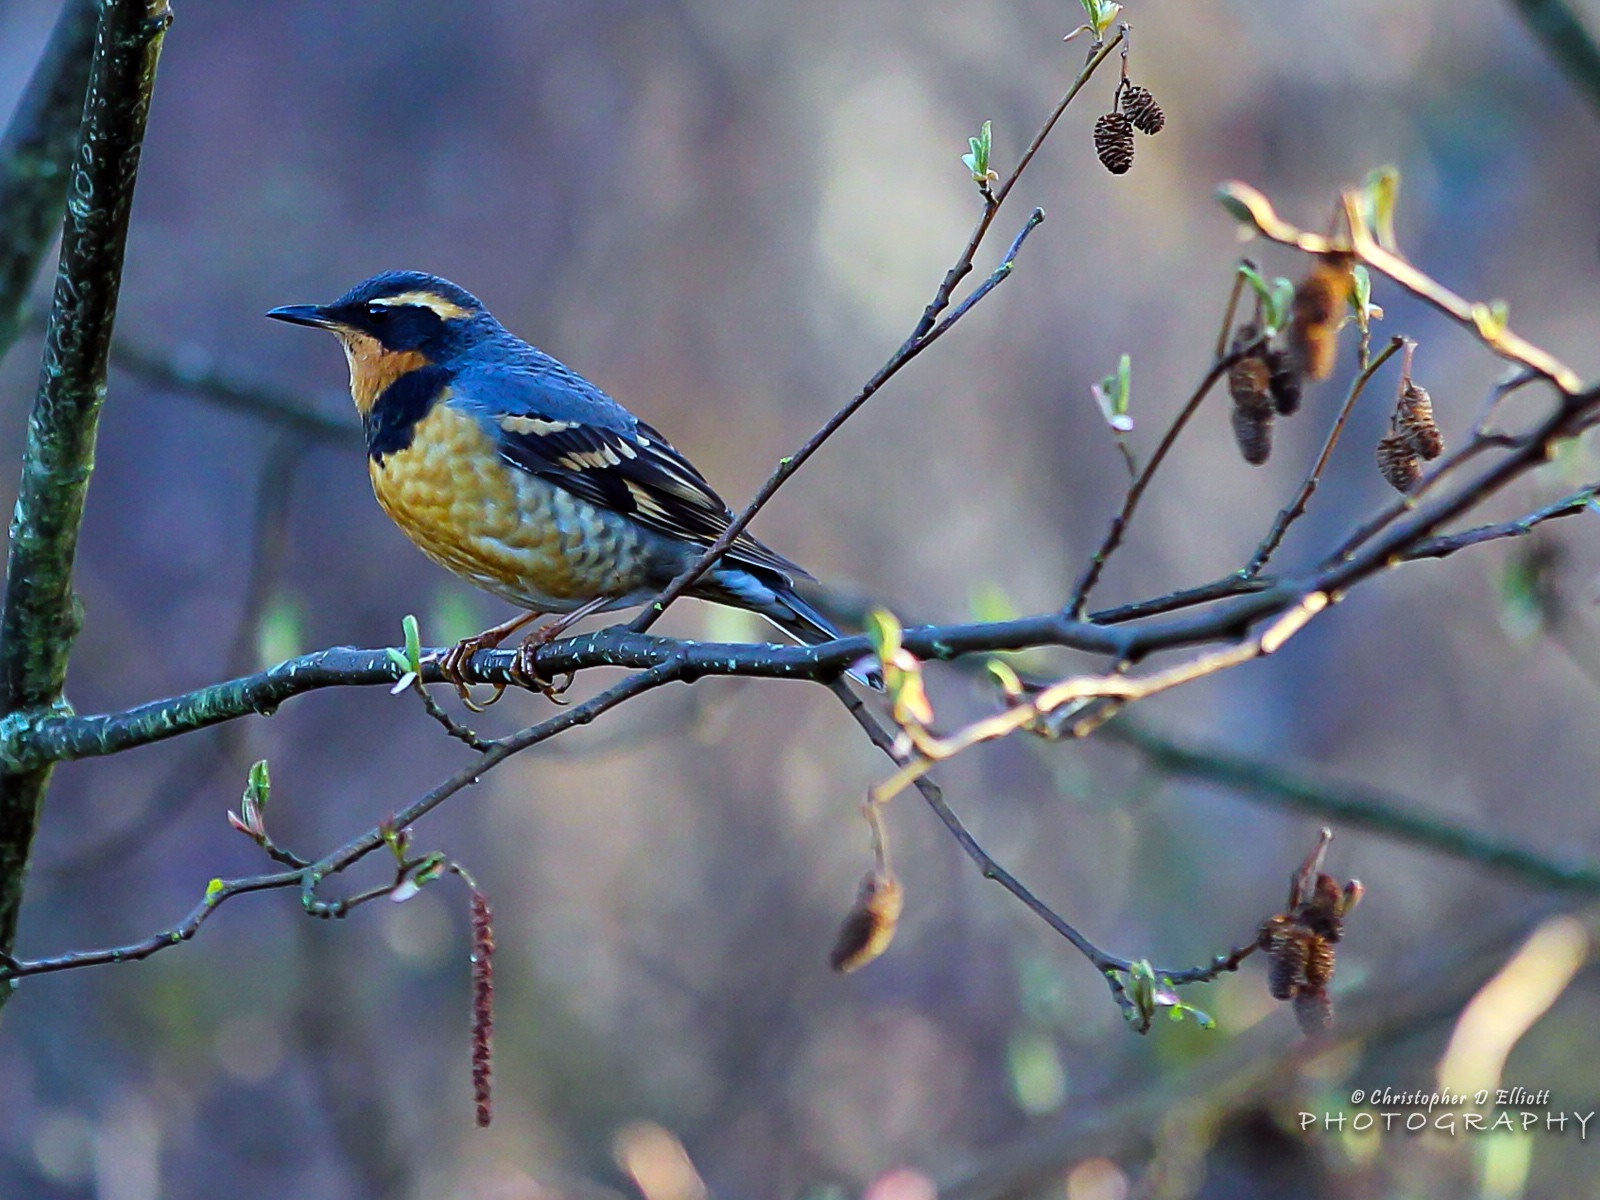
pixel 393 324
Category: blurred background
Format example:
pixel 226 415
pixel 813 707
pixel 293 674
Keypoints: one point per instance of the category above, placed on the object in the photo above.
pixel 728 214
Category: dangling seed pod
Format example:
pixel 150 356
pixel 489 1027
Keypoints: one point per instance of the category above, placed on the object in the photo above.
pixel 1143 110
pixel 1252 430
pixel 869 927
pixel 1288 948
pixel 1320 959
pixel 1314 1011
pixel 1284 383
pixel 1319 301
pixel 1113 142
pixel 1398 463
pixel 1413 420
pixel 1249 382
pixel 1250 379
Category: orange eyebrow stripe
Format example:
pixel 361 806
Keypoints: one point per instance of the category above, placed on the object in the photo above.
pixel 447 310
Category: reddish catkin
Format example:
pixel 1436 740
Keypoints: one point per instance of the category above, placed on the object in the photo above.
pixel 1319 302
pixel 482 1005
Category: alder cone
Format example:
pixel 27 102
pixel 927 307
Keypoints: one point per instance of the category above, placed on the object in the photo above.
pixel 1413 420
pixel 1398 463
pixel 1143 111
pixel 1252 430
pixel 1113 142
pixel 1284 383
pixel 1250 383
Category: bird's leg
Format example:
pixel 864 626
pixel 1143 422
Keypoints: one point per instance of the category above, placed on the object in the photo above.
pixel 525 667
pixel 456 662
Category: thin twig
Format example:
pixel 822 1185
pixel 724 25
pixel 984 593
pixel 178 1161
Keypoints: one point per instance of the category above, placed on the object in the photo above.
pixel 339 860
pixel 1297 507
pixel 1119 524
pixel 35 155
pixel 1567 506
pixel 1027 714
pixel 652 611
pixel 1394 817
pixel 934 796
pixel 452 727
pixel 1249 205
pixel 1109 965
pixel 928 328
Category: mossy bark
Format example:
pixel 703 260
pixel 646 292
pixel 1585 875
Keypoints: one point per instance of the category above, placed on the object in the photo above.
pixel 41 617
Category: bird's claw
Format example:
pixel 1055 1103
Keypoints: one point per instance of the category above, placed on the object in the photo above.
pixel 455 664
pixel 525 669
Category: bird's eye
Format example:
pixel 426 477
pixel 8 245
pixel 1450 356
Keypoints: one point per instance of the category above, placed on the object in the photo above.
pixel 378 312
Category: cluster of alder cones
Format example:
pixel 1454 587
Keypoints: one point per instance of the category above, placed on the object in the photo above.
pixel 1268 382
pixel 1300 940
pixel 1133 107
pixel 1413 436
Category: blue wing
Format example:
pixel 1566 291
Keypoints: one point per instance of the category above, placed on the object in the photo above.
pixel 551 422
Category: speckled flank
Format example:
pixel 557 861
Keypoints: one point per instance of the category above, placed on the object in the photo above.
pixel 501 527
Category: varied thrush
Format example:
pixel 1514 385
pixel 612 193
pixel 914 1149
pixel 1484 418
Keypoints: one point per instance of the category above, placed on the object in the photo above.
pixel 518 474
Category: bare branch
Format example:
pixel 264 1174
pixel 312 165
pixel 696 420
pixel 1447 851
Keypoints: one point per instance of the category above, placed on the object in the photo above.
pixel 928 329
pixel 1395 817
pixel 353 851
pixel 215 386
pixel 1297 507
pixel 1249 205
pixel 35 155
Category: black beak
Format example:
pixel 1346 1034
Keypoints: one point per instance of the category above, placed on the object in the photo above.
pixel 303 314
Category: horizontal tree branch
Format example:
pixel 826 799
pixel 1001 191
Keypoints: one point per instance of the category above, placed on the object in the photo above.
pixel 1390 816
pixel 231 392
pixel 310 877
pixel 33 738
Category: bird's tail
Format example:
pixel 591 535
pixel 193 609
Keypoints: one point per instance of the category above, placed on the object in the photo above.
pixel 775 599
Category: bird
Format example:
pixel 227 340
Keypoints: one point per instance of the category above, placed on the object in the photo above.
pixel 516 473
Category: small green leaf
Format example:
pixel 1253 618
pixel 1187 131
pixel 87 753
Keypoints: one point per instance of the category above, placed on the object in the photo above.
pixel 977 157
pixel 431 868
pixel 1282 298
pixel 885 633
pixel 398 658
pixel 1382 191
pixel 258 788
pixel 214 889
pixel 413 642
pixel 1101 14
pixel 1361 288
pixel 1114 396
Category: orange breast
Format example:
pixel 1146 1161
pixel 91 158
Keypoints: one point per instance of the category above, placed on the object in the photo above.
pixel 501 528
